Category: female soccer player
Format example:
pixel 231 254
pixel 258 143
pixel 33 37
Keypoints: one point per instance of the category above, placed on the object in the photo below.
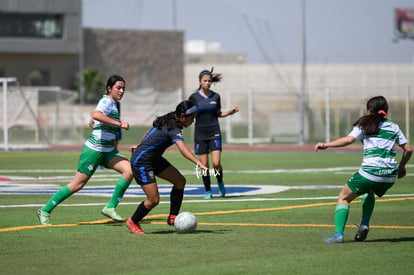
pixel 207 134
pixel 379 168
pixel 147 162
pixel 99 149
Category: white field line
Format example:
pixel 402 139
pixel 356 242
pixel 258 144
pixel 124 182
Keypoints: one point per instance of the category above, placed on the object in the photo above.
pixel 199 201
pixel 105 175
pixel 105 172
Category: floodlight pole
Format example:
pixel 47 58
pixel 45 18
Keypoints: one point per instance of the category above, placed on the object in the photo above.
pixel 174 14
pixel 81 63
pixel 303 78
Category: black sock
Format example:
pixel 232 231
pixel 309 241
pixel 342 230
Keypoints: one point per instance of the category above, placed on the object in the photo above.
pixel 140 213
pixel 219 176
pixel 176 199
pixel 207 183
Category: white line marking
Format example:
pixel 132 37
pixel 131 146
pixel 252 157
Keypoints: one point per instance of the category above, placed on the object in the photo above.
pixel 226 200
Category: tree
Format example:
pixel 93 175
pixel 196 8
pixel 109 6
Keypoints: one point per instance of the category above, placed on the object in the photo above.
pixel 93 85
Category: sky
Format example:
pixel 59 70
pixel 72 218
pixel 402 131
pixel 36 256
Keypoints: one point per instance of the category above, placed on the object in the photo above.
pixel 270 31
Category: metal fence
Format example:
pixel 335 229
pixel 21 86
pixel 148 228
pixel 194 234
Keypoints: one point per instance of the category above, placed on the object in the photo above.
pixel 44 116
pixel 274 117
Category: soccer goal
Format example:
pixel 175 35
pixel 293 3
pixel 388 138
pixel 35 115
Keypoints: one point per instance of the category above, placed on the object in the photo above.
pixel 264 117
pixel 30 116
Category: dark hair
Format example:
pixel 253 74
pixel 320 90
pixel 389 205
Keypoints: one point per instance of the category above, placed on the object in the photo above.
pixel 378 109
pixel 170 120
pixel 214 77
pixel 112 80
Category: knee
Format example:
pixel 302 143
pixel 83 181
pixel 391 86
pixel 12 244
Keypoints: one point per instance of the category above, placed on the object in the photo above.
pixel 153 202
pixel 341 201
pixel 180 183
pixel 75 187
pixel 126 173
pixel 217 166
pixel 127 176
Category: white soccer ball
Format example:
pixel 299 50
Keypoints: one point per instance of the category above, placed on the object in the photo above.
pixel 185 222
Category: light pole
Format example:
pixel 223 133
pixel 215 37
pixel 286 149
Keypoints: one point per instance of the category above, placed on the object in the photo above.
pixel 303 78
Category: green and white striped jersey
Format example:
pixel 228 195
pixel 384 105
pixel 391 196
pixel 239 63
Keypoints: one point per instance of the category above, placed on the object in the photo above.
pixel 103 136
pixel 379 163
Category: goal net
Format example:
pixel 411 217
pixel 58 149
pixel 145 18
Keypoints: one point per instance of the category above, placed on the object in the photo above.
pixel 41 117
pixel 29 116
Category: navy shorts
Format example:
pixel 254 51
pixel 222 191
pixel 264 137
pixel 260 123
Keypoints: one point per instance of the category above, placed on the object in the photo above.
pixel 145 172
pixel 207 146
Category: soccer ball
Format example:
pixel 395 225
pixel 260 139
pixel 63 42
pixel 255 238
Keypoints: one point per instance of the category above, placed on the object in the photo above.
pixel 185 222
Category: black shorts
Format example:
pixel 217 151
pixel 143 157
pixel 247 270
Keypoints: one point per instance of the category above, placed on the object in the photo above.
pixel 145 172
pixel 206 146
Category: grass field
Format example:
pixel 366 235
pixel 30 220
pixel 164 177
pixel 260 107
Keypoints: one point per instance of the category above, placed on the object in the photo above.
pixel 251 234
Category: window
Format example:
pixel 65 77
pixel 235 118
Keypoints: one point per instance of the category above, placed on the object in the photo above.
pixel 31 25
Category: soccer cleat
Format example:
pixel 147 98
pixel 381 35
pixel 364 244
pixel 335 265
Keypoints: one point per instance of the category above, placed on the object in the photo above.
pixel 171 219
pixel 207 195
pixel 44 217
pixel 111 213
pixel 222 189
pixel 362 233
pixel 133 227
pixel 336 238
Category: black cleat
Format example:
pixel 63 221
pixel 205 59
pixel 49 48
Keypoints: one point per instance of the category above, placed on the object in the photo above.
pixel 362 233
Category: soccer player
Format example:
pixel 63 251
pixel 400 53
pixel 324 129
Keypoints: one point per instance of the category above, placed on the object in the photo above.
pixel 99 149
pixel 207 133
pixel 147 162
pixel 379 168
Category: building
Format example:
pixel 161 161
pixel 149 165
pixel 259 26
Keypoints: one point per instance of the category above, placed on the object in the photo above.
pixel 203 52
pixel 147 59
pixel 40 41
pixel 43 43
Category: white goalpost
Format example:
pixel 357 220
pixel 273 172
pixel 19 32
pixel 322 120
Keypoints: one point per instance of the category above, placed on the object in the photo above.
pixel 4 82
pixel 18 111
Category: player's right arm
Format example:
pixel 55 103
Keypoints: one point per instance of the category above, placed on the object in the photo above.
pixel 340 142
pixel 98 115
pixel 182 147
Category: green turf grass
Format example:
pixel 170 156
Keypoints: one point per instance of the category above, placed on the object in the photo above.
pixel 233 236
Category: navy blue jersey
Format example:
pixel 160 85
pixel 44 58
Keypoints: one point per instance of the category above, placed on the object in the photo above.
pixel 207 126
pixel 154 144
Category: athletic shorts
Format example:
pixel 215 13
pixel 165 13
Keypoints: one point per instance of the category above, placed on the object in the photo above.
pixel 145 172
pixel 360 185
pixel 206 146
pixel 90 159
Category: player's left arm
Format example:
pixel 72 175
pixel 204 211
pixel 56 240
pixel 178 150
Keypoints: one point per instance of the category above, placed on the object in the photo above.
pixel 232 111
pixel 407 151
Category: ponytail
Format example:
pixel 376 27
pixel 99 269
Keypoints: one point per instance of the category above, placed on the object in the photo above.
pixel 170 120
pixel 377 108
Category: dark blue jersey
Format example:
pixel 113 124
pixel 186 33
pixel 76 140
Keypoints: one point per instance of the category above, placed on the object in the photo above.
pixel 154 144
pixel 207 126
